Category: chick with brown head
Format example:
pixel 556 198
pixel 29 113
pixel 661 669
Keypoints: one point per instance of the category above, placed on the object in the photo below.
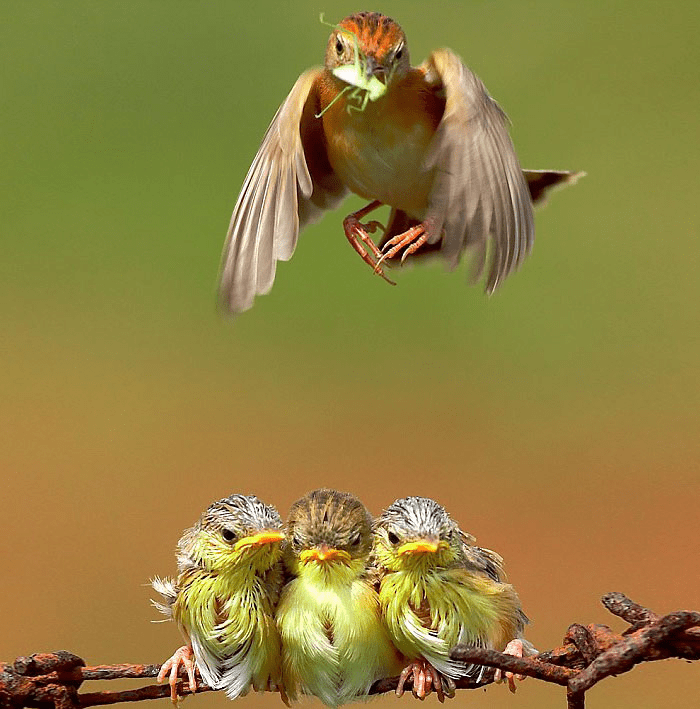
pixel 334 645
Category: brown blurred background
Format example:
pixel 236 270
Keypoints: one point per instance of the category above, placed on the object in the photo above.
pixel 557 420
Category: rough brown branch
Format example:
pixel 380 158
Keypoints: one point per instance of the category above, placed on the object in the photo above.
pixel 591 653
pixel 588 654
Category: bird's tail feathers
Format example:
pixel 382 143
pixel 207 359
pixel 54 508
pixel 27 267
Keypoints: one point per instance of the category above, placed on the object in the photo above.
pixel 529 650
pixel 542 182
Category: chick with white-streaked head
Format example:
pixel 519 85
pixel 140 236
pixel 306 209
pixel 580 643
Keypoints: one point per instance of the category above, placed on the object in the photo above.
pixel 334 645
pixel 437 590
pixel 230 574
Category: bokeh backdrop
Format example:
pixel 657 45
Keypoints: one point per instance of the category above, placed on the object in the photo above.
pixel 557 420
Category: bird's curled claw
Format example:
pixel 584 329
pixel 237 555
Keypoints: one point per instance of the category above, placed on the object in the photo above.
pixel 425 679
pixel 182 657
pixel 515 648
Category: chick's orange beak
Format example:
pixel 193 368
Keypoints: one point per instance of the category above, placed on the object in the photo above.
pixel 267 536
pixel 421 546
pixel 323 553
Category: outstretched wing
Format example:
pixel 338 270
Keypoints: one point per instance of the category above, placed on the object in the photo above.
pixel 288 185
pixel 479 192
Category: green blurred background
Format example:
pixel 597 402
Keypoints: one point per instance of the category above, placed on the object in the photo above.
pixel 557 420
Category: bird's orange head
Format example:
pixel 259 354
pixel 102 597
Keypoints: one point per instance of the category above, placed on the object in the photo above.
pixel 376 40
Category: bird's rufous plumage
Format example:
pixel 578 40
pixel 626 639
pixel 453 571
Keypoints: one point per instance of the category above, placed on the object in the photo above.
pixel 427 141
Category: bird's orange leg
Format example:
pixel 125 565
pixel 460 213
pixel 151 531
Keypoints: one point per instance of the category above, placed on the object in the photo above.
pixel 182 656
pixel 354 228
pixel 425 678
pixel 410 240
pixel 515 648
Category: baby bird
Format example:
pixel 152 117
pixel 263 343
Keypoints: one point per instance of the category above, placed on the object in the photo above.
pixel 438 589
pixel 230 574
pixel 333 643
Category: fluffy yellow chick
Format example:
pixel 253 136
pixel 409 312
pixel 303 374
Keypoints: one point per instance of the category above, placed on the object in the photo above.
pixel 230 573
pixel 438 589
pixel 334 645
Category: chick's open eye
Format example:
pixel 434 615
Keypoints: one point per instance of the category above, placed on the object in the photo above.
pixel 339 46
pixel 356 539
pixel 228 535
pixel 399 53
pixel 393 538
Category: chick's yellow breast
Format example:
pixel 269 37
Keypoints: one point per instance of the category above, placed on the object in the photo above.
pixel 334 644
pixel 229 620
pixel 427 614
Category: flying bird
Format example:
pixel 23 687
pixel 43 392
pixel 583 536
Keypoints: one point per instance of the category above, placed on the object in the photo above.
pixel 427 141
pixel 438 589
pixel 229 578
pixel 334 645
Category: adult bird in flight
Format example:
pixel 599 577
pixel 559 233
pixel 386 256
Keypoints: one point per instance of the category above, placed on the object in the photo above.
pixel 427 141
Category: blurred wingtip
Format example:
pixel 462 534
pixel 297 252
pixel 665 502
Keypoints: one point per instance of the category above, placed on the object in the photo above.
pixel 229 304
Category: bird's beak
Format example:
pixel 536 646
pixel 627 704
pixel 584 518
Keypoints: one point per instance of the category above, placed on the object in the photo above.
pixel 364 75
pixel 374 68
pixel 323 553
pixel 421 546
pixel 267 536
